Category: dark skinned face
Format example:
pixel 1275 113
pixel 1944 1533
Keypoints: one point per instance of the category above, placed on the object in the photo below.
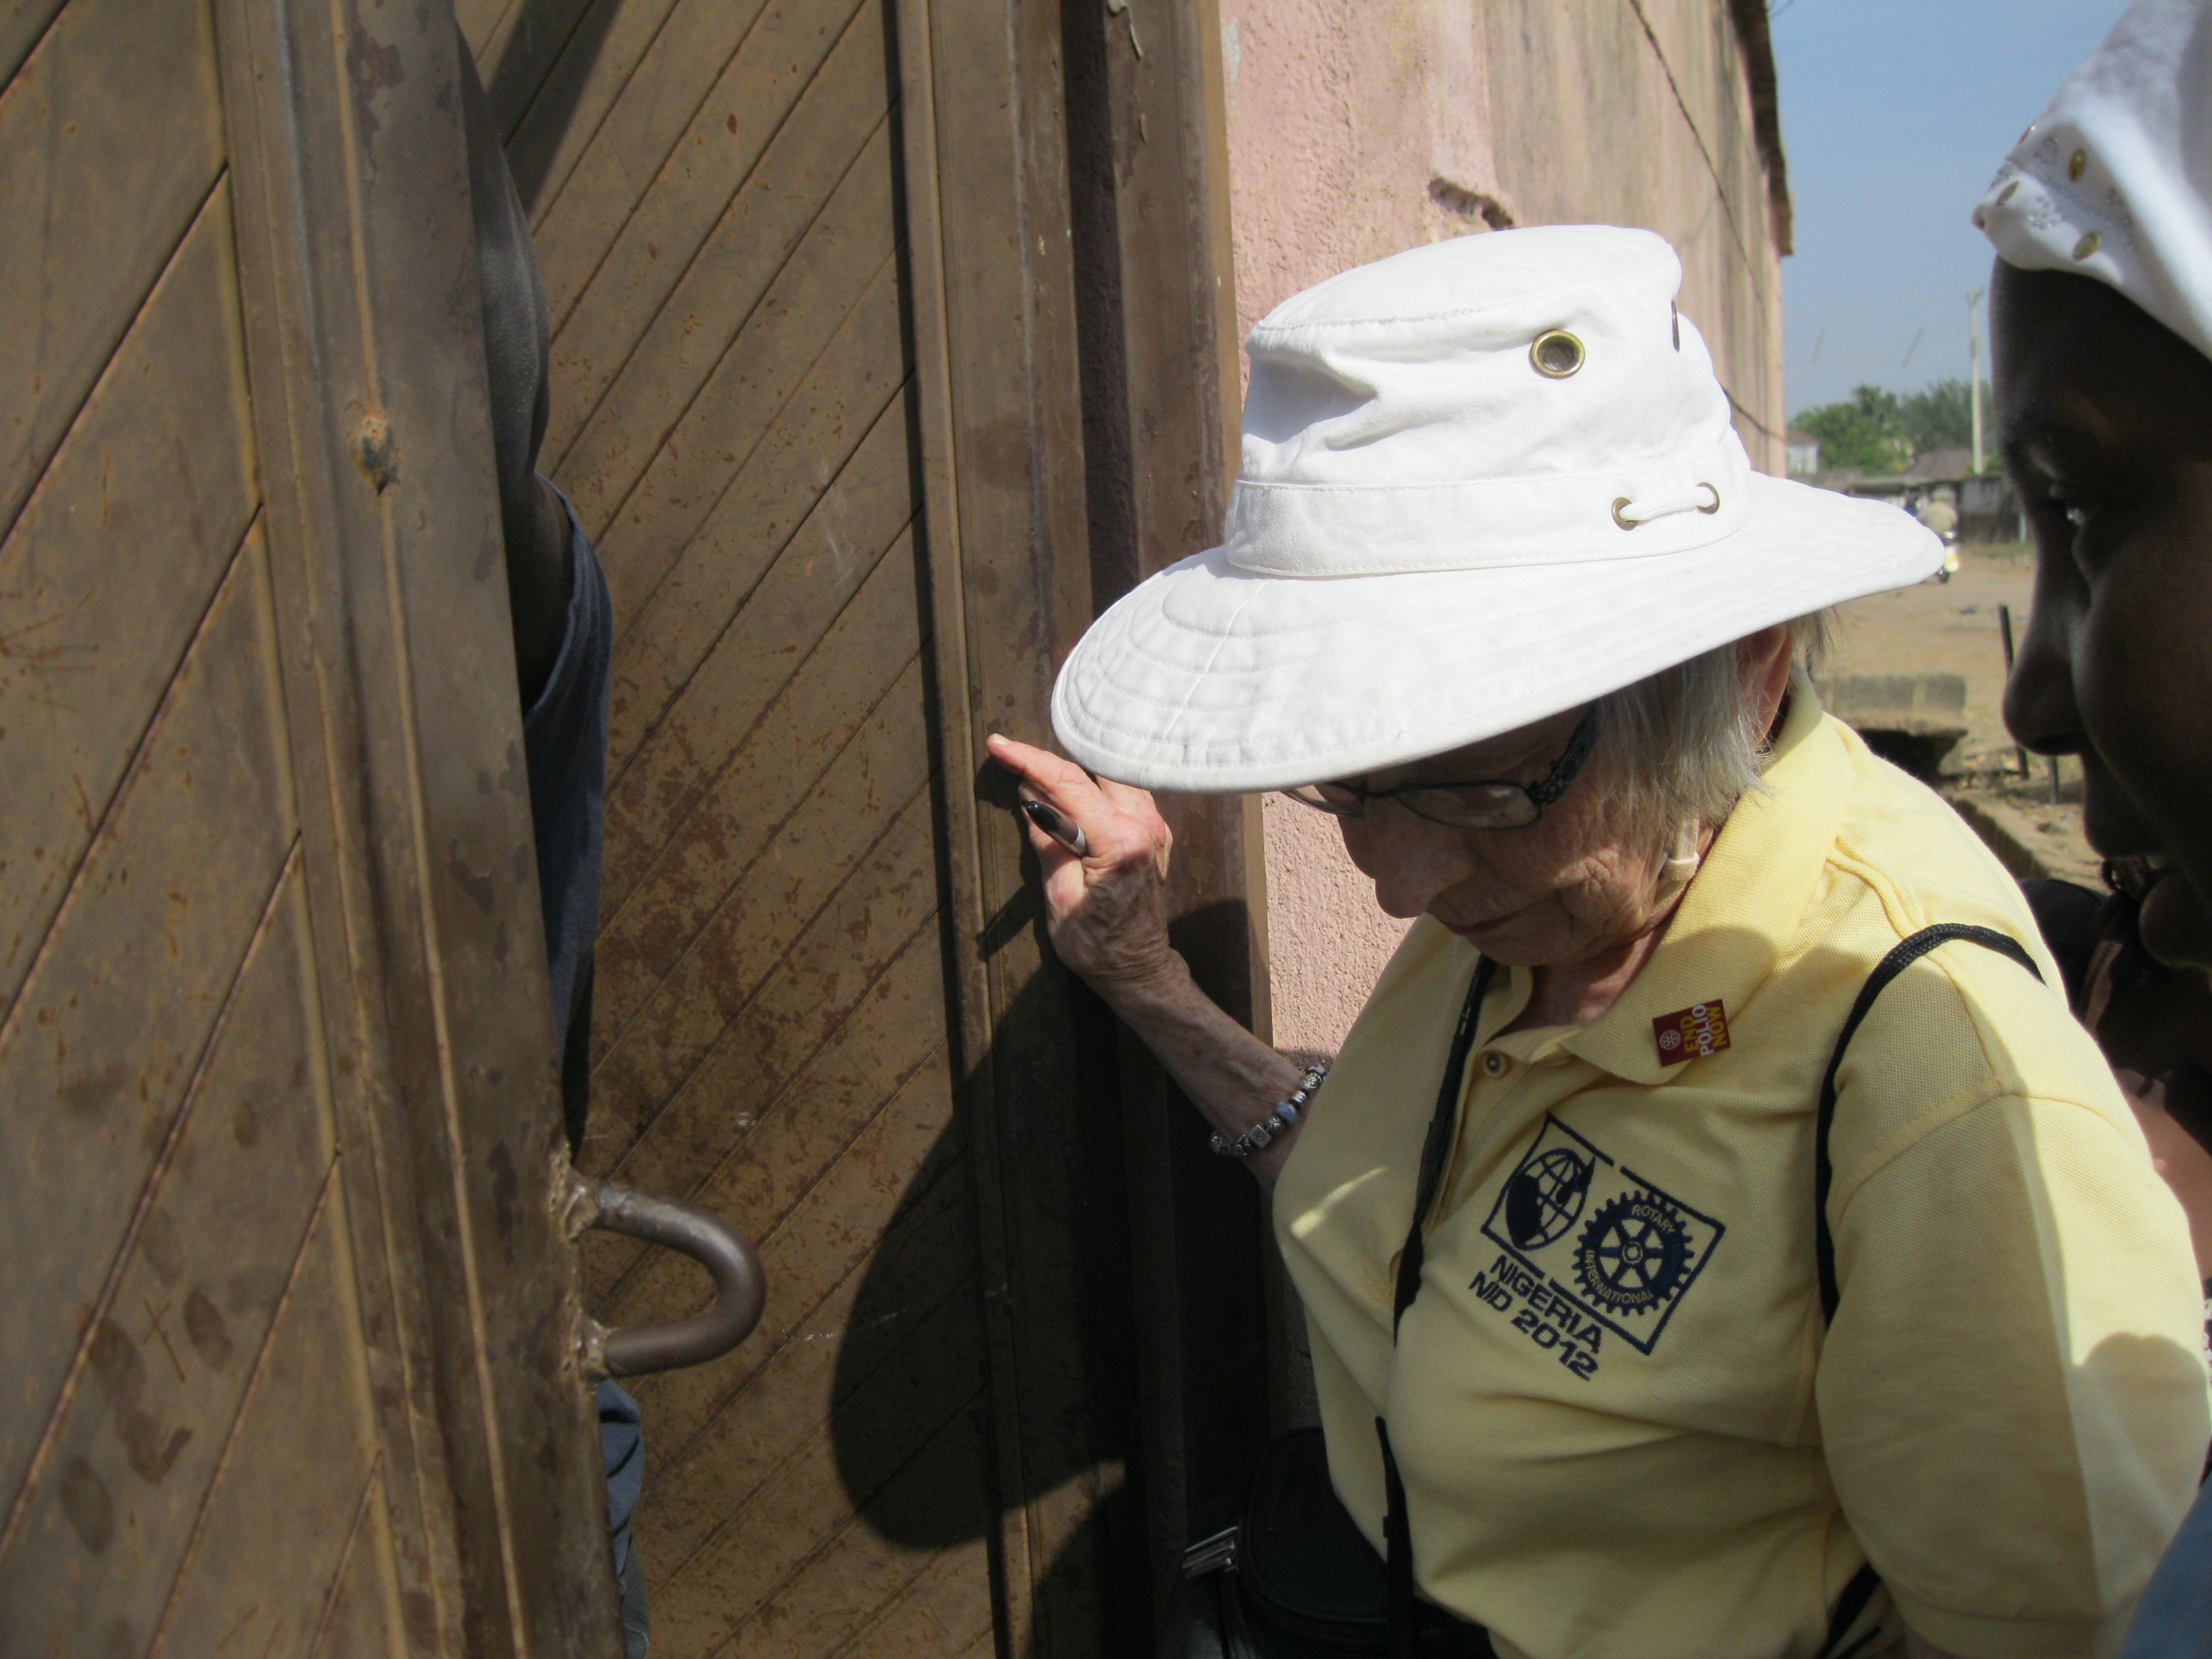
pixel 2106 418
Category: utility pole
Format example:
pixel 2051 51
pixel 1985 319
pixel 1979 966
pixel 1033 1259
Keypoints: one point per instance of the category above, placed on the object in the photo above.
pixel 1974 370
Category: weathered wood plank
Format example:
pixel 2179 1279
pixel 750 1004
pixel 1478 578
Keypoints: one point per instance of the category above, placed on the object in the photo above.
pixel 739 191
pixel 651 463
pixel 357 1623
pixel 807 733
pixel 485 24
pixel 780 859
pixel 21 23
pixel 148 496
pixel 802 1536
pixel 858 527
pixel 673 612
pixel 876 900
pixel 1159 306
pixel 600 52
pixel 795 1027
pixel 943 1614
pixel 836 1224
pixel 169 1359
pixel 642 88
pixel 357 1620
pixel 73 129
pixel 801 1511
pixel 789 945
pixel 924 1255
pixel 289 1500
pixel 362 328
pixel 798 1037
pixel 539 63
pixel 822 1073
pixel 938 1500
pixel 119 1005
pixel 983 101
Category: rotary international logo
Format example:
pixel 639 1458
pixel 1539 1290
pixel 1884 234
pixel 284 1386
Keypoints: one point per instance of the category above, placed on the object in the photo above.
pixel 1598 1238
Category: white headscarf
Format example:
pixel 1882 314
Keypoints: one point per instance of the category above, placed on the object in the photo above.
pixel 2114 180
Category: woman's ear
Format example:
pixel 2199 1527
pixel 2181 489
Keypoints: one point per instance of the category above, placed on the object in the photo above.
pixel 1763 659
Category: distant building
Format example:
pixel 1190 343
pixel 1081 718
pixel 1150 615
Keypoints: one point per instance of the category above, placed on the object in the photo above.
pixel 1989 511
pixel 1803 452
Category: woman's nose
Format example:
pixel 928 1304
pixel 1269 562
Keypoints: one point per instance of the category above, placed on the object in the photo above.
pixel 1410 859
pixel 2038 701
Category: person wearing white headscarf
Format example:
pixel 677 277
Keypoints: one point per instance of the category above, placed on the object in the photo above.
pixel 2101 320
pixel 1684 1355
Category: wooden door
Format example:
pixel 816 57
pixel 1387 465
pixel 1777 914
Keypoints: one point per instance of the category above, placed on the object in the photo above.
pixel 829 341
pixel 713 191
pixel 289 1325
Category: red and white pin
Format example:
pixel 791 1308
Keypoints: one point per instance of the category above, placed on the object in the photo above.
pixel 1688 1033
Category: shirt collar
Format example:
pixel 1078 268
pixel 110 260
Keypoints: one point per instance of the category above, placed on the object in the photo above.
pixel 1743 907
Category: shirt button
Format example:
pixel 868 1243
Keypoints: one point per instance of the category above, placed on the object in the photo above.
pixel 1493 1063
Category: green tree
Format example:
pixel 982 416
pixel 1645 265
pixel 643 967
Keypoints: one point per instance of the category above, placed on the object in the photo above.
pixel 1866 432
pixel 1939 417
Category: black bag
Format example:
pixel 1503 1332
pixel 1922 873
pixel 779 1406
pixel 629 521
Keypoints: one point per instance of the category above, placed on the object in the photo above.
pixel 1297 1579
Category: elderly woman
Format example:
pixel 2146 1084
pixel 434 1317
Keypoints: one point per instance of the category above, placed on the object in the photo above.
pixel 1662 1301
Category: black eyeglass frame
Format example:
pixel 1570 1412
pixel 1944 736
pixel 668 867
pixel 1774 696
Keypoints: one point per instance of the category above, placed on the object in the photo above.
pixel 1539 795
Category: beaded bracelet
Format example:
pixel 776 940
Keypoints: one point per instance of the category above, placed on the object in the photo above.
pixel 1277 1123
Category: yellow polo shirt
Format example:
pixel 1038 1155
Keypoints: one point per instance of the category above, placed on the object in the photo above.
pixel 1623 1430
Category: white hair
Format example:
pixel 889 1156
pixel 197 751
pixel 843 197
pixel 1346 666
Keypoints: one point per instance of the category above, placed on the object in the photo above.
pixel 1690 740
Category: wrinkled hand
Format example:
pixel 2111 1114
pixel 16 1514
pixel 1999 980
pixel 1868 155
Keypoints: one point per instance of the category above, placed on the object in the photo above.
pixel 1106 909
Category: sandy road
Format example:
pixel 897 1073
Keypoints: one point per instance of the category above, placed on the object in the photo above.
pixel 1950 627
pixel 1953 628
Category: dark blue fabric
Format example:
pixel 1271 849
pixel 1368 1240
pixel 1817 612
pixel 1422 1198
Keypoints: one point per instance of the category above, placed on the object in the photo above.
pixel 564 739
pixel 2174 1619
pixel 621 1445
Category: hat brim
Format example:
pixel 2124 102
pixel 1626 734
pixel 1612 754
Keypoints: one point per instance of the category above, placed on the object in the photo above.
pixel 1208 678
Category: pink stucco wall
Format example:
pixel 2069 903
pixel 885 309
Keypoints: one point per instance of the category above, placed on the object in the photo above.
pixel 1360 127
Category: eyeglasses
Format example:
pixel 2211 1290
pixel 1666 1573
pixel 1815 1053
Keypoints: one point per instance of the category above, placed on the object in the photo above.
pixel 1486 805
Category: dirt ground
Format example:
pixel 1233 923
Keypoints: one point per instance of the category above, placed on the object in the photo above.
pixel 1954 628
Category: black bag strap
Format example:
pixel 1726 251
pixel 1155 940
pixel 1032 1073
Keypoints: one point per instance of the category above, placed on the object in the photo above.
pixel 1436 1152
pixel 1864 1582
pixel 1436 1147
pixel 1901 957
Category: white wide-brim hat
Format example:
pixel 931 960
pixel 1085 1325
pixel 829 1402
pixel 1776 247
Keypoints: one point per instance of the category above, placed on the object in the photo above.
pixel 1452 522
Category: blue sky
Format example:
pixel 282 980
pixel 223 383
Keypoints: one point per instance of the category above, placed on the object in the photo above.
pixel 1894 115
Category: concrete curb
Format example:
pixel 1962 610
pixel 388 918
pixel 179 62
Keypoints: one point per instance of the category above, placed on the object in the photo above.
pixel 2020 845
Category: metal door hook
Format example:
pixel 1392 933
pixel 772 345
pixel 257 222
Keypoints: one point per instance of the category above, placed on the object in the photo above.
pixel 740 1290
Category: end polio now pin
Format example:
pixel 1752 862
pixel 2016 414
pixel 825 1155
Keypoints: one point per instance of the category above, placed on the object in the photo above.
pixel 1687 1033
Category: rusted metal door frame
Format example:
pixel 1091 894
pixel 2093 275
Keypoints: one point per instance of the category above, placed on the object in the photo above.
pixel 1067 218
pixel 364 350
pixel 1001 449
pixel 1147 99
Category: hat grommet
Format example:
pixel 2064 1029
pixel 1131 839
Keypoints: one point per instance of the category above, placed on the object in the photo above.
pixel 1556 354
pixel 2006 194
pixel 2087 246
pixel 2076 163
